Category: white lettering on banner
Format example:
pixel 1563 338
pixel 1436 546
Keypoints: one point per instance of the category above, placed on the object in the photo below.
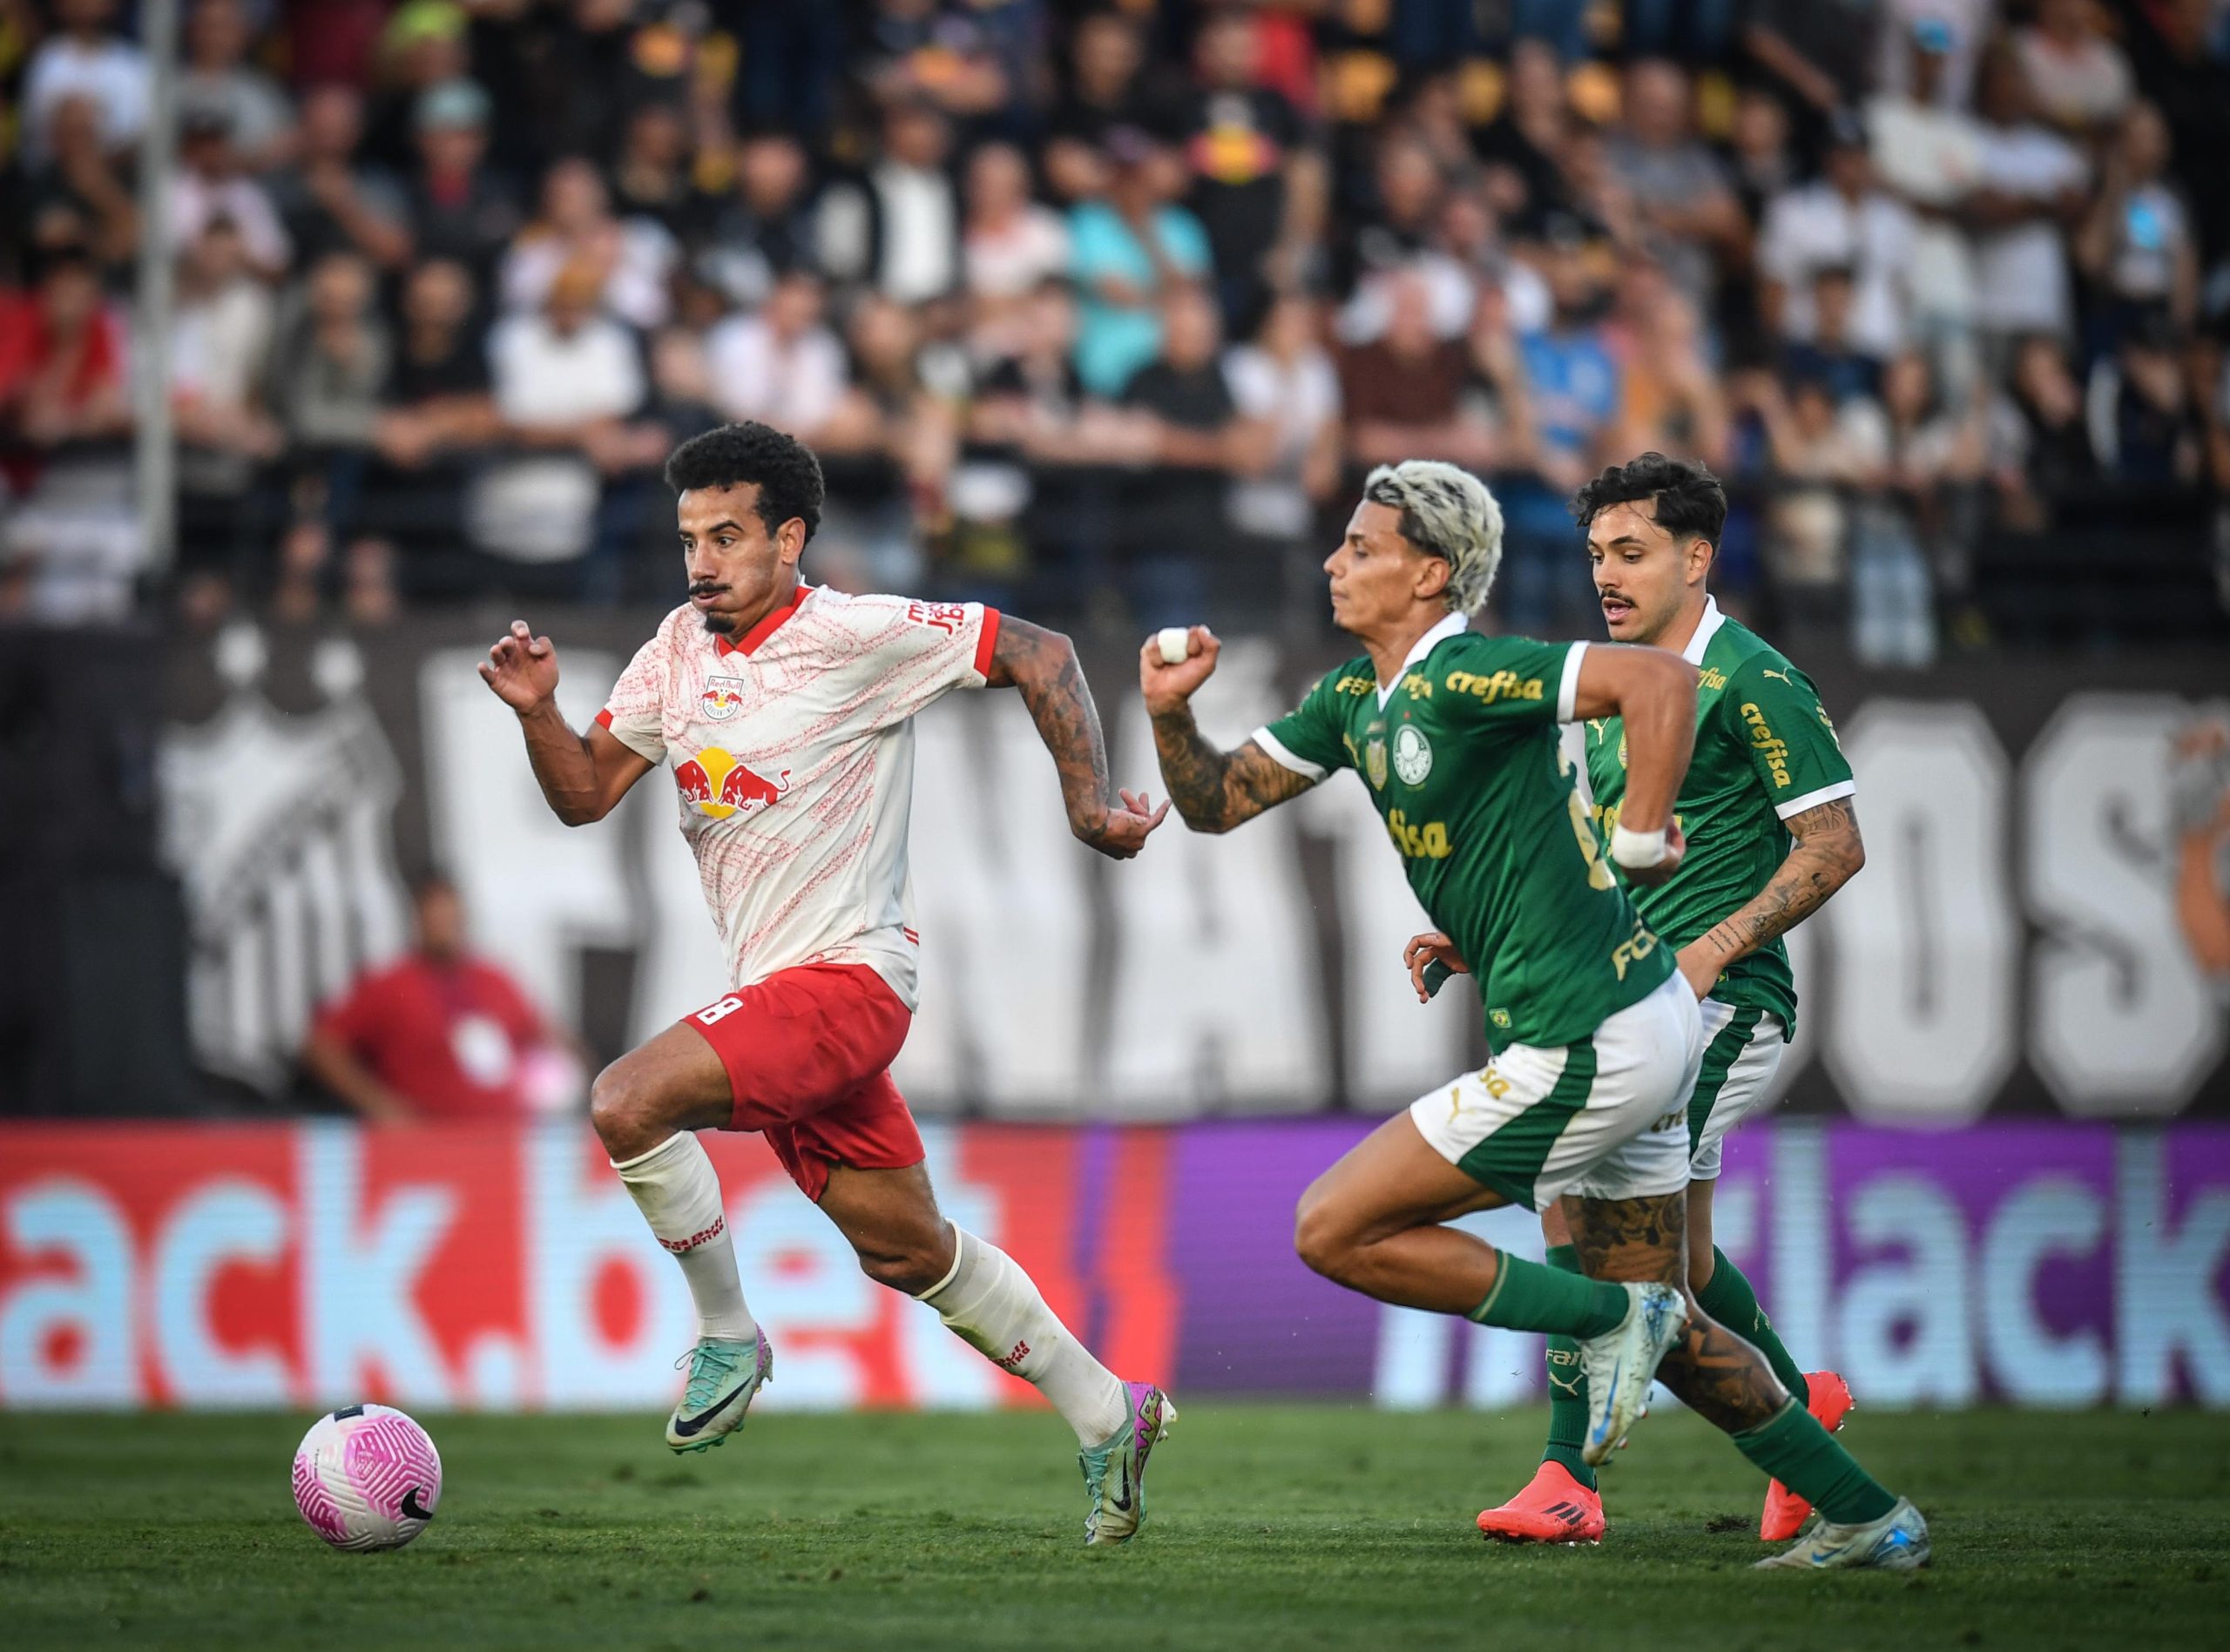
pixel 1218 1000
pixel 1926 946
pixel 2165 1306
pixel 2122 1022
pixel 2029 1362
pixel 1396 1047
pixel 227 1220
pixel 360 1272
pixel 1001 900
pixel 539 890
pixel 582 1229
pixel 1904 1337
pixel 68 1340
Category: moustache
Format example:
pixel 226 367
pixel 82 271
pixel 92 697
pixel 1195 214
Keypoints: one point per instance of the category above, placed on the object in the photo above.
pixel 704 589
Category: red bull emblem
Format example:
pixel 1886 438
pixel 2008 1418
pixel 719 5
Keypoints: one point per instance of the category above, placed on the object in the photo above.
pixel 716 785
pixel 722 698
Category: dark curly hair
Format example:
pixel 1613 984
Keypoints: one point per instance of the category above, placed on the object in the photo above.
pixel 1690 502
pixel 787 475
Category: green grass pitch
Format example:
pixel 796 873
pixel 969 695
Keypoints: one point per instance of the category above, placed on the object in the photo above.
pixel 1272 1528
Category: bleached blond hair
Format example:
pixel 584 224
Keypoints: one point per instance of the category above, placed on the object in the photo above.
pixel 1449 513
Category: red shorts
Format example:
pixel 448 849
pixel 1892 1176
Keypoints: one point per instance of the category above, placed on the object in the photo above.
pixel 807 1053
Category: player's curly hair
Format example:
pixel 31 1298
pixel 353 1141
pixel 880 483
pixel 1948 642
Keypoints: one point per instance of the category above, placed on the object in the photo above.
pixel 787 475
pixel 1690 502
pixel 1446 512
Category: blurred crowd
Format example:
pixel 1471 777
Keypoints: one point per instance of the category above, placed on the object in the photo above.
pixel 1102 308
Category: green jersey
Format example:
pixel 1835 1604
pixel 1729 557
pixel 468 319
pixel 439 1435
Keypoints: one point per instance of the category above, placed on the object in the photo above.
pixel 1461 757
pixel 1765 750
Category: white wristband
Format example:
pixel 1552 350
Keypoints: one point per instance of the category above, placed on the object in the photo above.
pixel 1637 850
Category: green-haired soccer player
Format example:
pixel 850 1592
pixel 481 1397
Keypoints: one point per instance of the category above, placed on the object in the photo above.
pixel 1766 812
pixel 1596 1040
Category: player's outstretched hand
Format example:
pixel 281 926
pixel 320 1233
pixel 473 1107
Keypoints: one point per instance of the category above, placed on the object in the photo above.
pixel 522 667
pixel 1166 686
pixel 1426 950
pixel 1121 832
pixel 1675 847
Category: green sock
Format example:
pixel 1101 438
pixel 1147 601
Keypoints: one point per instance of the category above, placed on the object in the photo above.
pixel 1527 1297
pixel 1793 1447
pixel 1727 1297
pixel 1567 1389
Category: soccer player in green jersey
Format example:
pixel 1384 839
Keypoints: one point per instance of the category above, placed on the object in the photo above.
pixel 1597 1038
pixel 1766 813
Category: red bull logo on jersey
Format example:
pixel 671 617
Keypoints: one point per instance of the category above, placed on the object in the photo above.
pixel 722 698
pixel 716 785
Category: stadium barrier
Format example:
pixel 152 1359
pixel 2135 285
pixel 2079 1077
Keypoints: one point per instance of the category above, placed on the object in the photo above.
pixel 499 1267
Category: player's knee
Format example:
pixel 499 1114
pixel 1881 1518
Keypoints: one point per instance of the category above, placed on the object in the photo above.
pixel 1320 1239
pixel 911 1264
pixel 625 1110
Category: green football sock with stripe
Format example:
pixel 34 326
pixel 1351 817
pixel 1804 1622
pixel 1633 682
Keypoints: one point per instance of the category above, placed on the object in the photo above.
pixel 1727 1298
pixel 1567 1389
pixel 1527 1297
pixel 1793 1447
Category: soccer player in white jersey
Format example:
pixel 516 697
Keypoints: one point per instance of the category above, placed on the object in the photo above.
pixel 784 712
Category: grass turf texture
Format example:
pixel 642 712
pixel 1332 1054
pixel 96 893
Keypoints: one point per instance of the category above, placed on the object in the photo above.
pixel 1283 1526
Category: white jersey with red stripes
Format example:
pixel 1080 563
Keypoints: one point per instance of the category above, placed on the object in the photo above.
pixel 793 756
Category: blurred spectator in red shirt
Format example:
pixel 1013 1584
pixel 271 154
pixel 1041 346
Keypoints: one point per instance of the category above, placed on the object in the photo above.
pixel 438 1035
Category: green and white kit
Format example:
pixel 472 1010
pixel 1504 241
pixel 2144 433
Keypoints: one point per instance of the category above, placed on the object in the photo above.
pixel 1765 752
pixel 1597 1041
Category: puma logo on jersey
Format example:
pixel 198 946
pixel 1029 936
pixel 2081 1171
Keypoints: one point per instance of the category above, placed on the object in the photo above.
pixel 1784 676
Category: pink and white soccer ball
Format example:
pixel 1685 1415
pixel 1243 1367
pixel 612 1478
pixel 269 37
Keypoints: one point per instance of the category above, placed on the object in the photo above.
pixel 367 1478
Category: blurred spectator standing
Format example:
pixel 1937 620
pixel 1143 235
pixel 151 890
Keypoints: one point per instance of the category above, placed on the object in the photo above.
pixel 332 363
pixel 897 228
pixel 1176 537
pixel 69 548
pixel 1127 253
pixel 1286 383
pixel 567 382
pixel 1844 221
pixel 2032 185
pixel 82 197
pixel 459 207
pixel 780 364
pixel 575 229
pixel 1930 157
pixel 1688 217
pixel 220 353
pixel 1574 391
pixel 210 184
pixel 440 1033
pixel 328 200
pixel 765 228
pixel 2081 79
pixel 2136 245
pixel 84 58
pixel 216 81
pixel 1010 246
pixel 436 414
pixel 1256 188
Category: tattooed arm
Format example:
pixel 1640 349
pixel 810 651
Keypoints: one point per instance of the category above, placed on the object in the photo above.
pixel 1043 665
pixel 1826 854
pixel 1213 790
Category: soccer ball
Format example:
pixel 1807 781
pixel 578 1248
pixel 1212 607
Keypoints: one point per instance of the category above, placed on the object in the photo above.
pixel 367 1478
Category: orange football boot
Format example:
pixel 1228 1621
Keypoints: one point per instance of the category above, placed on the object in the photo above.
pixel 1785 1510
pixel 1555 1508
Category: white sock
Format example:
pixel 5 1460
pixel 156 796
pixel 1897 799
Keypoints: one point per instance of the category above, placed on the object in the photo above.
pixel 993 1306
pixel 678 1194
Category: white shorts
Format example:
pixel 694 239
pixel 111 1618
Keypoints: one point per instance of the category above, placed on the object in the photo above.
pixel 1741 1054
pixel 1606 1118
